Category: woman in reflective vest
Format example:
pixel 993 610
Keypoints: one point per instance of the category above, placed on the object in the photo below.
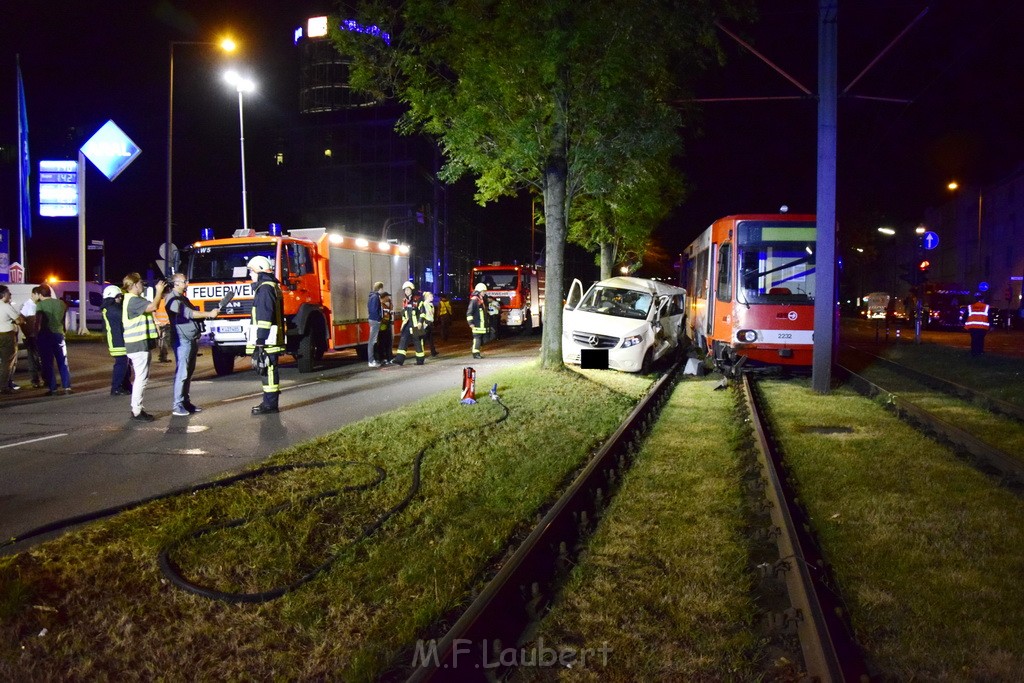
pixel 113 306
pixel 977 324
pixel 267 318
pixel 139 336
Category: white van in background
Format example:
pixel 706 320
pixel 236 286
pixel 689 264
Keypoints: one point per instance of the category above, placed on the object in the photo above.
pixel 67 291
pixel 634 320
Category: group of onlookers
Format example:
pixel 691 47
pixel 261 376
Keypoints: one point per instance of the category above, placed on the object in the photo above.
pixel 41 321
pixel 420 318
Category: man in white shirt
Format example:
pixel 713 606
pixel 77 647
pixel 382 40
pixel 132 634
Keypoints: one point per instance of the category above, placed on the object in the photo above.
pixel 10 320
pixel 28 312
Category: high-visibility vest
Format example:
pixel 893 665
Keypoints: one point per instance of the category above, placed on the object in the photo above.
pixel 160 314
pixel 410 313
pixel 427 310
pixel 977 316
pixel 445 308
pixel 137 329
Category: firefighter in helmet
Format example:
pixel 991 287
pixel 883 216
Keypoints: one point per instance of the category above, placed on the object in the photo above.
pixel 413 326
pixel 476 316
pixel 267 320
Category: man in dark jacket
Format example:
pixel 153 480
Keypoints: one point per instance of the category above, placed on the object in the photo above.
pixel 476 316
pixel 267 326
pixel 374 314
pixel 113 303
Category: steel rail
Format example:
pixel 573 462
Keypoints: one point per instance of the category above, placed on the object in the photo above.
pixel 516 598
pixel 829 650
pixel 999 459
pixel 952 388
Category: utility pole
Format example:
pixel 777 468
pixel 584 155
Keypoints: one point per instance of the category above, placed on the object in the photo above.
pixel 825 299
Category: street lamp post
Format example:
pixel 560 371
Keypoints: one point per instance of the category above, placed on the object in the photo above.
pixel 228 45
pixel 242 85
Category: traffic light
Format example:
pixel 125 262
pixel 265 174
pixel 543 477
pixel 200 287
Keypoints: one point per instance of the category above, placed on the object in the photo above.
pixel 923 268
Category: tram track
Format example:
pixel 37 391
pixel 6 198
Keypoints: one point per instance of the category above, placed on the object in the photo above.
pixel 1006 463
pixel 817 612
pixel 510 606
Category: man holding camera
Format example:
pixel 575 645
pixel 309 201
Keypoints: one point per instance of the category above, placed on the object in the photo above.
pixel 185 330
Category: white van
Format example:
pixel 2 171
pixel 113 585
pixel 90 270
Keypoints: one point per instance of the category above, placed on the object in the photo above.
pixel 635 321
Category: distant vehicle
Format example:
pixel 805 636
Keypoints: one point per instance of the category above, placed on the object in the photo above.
pixel 943 304
pixel 635 321
pixel 67 291
pixel 519 290
pixel 751 284
pixel 877 305
pixel 325 281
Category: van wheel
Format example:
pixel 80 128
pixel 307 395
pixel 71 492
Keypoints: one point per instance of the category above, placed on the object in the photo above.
pixel 223 361
pixel 645 367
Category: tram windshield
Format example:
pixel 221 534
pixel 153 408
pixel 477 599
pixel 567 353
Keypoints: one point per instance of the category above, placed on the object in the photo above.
pixel 622 303
pixel 776 263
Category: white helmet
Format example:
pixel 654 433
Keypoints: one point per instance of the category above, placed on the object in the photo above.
pixel 480 287
pixel 261 264
pixel 111 291
pixel 408 285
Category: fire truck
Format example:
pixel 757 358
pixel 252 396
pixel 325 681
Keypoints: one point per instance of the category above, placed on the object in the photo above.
pixel 519 290
pixel 325 280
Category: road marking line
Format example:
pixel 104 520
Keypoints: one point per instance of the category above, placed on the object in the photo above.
pixel 42 438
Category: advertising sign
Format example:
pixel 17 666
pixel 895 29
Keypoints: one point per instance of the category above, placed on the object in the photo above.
pixel 111 150
pixel 58 188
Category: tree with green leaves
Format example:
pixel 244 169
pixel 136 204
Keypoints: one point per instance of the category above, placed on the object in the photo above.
pixel 567 97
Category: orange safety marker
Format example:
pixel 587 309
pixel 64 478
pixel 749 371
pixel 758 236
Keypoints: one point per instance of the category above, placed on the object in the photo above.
pixel 468 386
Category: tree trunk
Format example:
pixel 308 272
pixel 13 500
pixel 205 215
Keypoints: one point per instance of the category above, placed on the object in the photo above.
pixel 608 253
pixel 554 263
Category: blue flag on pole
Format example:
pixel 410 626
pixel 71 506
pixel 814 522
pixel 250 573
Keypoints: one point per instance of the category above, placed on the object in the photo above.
pixel 25 169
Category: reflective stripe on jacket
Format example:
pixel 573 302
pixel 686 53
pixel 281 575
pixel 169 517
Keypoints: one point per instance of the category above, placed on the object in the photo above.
pixel 137 329
pixel 977 316
pixel 268 312
pixel 115 329
pixel 476 315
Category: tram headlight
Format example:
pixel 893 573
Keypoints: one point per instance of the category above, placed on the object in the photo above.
pixel 631 341
pixel 746 336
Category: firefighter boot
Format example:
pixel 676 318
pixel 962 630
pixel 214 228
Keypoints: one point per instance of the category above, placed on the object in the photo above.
pixel 399 359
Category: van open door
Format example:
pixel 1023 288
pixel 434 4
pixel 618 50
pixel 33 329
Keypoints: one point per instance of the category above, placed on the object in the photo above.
pixel 572 300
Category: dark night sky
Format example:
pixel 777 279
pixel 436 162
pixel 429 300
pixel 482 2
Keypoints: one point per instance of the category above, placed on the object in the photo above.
pixel 84 63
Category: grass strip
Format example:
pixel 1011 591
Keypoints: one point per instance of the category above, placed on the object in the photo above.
pixel 663 586
pixel 1002 432
pixel 1000 377
pixel 928 552
pixel 92 603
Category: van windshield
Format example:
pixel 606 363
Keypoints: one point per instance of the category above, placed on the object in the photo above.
pixel 622 303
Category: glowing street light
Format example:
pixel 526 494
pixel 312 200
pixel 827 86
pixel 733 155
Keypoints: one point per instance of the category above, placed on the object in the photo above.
pixel 242 85
pixel 227 45
pixel 887 231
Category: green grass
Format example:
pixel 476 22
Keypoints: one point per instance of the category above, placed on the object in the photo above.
pixel 1004 433
pixel 664 582
pixel 928 552
pixel 997 376
pixel 108 612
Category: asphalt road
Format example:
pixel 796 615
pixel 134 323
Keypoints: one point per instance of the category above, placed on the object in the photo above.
pixel 865 332
pixel 64 456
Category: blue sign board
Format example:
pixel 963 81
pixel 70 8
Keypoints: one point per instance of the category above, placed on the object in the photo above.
pixel 5 255
pixel 111 150
pixel 982 286
pixel 930 240
pixel 58 188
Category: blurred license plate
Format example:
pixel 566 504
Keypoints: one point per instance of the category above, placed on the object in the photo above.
pixel 229 329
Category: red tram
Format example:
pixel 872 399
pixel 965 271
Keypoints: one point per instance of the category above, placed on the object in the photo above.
pixel 750 282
